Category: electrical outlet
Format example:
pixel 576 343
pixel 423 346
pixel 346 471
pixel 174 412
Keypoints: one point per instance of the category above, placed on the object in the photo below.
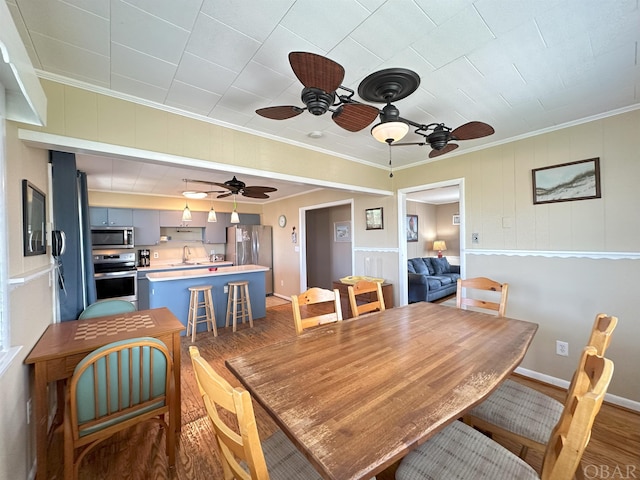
pixel 562 348
pixel 282 283
pixel 28 411
pixel 475 238
pixel 225 289
pixel 156 255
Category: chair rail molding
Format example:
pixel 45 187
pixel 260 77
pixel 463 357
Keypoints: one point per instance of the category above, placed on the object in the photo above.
pixel 556 254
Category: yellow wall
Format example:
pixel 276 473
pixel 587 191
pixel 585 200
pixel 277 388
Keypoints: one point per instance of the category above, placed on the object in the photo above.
pixel 565 262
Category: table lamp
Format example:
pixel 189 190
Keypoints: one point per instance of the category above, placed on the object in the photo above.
pixel 439 245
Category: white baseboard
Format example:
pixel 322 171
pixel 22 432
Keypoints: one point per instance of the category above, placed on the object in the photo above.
pixel 284 297
pixel 613 399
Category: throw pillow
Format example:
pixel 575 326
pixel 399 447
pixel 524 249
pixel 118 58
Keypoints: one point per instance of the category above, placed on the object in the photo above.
pixel 427 262
pixel 419 266
pixel 441 265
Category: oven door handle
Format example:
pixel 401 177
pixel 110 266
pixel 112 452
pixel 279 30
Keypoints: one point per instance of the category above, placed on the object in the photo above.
pixel 132 273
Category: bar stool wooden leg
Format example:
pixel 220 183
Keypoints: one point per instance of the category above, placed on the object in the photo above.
pixel 238 298
pixel 209 316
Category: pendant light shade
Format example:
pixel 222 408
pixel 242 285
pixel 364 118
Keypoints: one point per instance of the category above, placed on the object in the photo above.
pixel 186 213
pixel 235 218
pixel 212 217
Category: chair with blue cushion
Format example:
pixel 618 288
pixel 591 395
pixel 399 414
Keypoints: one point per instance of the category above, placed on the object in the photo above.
pixel 113 388
pixel 107 307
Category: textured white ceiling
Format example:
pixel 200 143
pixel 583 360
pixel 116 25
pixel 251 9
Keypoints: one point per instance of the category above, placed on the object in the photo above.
pixel 520 65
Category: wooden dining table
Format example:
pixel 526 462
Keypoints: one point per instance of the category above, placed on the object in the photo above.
pixel 63 345
pixel 356 396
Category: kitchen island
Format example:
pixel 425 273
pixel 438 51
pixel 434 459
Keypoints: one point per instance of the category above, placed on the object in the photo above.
pixel 171 289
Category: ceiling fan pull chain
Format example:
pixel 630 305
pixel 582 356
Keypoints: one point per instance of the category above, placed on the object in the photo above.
pixel 390 167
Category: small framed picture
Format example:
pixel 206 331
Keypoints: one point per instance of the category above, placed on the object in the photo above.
pixel 456 219
pixel 567 181
pixel 412 228
pixel 342 231
pixel 374 218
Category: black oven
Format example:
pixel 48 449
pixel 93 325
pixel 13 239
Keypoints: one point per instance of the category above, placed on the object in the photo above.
pixel 116 275
pixel 111 237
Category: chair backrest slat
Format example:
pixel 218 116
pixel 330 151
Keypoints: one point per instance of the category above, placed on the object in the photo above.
pixel 235 446
pixel 571 435
pixel 364 287
pixel 315 296
pixel 485 285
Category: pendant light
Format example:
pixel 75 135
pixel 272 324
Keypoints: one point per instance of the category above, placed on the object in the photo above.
pixel 186 213
pixel 235 218
pixel 212 214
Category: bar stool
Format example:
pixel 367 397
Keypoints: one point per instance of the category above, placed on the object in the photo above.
pixel 243 303
pixel 195 305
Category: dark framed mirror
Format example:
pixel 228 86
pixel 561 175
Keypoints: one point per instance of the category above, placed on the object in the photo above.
pixel 34 207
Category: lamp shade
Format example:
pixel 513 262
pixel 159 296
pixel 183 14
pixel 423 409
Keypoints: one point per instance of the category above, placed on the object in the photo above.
pixel 234 217
pixel 439 245
pixel 389 132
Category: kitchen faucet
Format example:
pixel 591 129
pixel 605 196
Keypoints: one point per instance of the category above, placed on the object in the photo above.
pixel 186 251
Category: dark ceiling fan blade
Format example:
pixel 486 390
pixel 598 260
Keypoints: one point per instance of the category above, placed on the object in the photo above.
pixel 228 194
pixel 252 194
pixel 259 189
pixel 280 113
pixel 354 116
pixel 316 71
pixel 472 130
pixel 448 148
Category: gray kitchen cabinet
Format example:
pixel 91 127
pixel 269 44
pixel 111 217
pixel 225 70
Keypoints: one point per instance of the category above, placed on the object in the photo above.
pixel 146 225
pixel 217 232
pixel 143 291
pixel 110 217
pixel 173 218
pixel 249 219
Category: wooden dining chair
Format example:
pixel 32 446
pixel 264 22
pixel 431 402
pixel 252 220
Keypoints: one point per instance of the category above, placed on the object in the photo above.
pixel 525 415
pixel 316 296
pixel 113 388
pixel 461 452
pixel 276 458
pixel 107 307
pixel 365 288
pixel 476 296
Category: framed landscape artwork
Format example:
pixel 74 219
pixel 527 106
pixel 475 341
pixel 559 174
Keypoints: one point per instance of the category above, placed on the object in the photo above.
pixel 567 181
pixel 374 218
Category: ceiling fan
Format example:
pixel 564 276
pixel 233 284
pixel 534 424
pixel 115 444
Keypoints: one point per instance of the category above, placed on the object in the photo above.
pixel 321 78
pixel 392 84
pixel 237 187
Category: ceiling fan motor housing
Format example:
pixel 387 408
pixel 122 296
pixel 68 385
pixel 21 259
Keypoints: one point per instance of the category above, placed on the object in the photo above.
pixel 439 138
pixel 317 101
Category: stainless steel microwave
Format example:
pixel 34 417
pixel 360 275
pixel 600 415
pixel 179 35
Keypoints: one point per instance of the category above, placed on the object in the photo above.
pixel 112 237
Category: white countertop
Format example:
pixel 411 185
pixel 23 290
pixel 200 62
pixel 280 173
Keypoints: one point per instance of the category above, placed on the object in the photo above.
pixel 203 272
pixel 176 265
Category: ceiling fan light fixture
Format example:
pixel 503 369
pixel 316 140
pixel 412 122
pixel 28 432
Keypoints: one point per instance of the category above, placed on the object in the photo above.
pixel 389 132
pixel 194 195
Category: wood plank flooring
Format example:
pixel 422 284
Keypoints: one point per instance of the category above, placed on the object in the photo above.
pixel 614 450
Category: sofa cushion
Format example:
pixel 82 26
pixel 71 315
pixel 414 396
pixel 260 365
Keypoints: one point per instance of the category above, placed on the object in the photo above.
pixel 441 265
pixel 410 268
pixel 419 266
pixel 434 283
pixel 443 279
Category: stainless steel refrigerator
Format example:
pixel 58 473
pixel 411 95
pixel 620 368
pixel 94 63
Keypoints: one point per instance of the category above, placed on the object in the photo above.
pixel 252 244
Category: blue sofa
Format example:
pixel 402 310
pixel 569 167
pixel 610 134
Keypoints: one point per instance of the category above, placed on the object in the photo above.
pixel 431 278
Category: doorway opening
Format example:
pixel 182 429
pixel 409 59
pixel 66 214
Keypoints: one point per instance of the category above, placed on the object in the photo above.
pixel 322 257
pixel 406 195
